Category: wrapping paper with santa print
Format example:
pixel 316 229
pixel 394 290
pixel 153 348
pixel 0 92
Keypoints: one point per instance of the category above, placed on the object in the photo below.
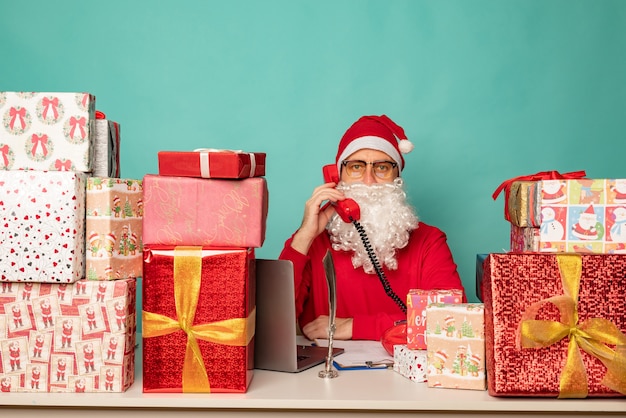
pixel 42 226
pixel 417 301
pixel 77 337
pixel 114 228
pixel 581 215
pixel 410 363
pixel 511 284
pixel 212 163
pixel 455 335
pixel 209 212
pixel 210 294
pixel 47 131
pixel 106 159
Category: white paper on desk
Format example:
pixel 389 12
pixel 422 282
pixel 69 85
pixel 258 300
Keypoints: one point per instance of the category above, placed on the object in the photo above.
pixel 360 353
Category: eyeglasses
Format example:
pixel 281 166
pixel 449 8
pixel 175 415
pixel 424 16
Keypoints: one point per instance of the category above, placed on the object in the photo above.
pixel 382 169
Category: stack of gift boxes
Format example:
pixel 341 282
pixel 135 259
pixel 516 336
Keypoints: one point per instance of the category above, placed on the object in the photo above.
pixel 204 214
pixel 67 303
pixel 445 342
pixel 555 317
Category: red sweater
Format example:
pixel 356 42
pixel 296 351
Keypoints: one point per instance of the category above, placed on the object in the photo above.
pixel 425 263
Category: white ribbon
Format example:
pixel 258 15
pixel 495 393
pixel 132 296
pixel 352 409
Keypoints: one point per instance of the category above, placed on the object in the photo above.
pixel 205 170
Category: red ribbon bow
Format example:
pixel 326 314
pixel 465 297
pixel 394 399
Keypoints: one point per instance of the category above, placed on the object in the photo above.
pixel 63 166
pixel 542 175
pixel 46 102
pixel 39 141
pixel 80 122
pixel 14 113
pixel 5 155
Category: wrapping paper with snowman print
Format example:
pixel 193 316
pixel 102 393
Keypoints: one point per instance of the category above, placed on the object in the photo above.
pixel 77 337
pixel 42 226
pixel 455 336
pixel 47 131
pixel 576 215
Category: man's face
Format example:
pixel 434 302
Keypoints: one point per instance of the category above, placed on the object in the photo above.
pixel 370 174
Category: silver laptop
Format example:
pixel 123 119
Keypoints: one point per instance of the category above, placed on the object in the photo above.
pixel 275 340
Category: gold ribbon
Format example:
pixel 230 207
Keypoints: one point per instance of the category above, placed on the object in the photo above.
pixel 592 335
pixel 233 332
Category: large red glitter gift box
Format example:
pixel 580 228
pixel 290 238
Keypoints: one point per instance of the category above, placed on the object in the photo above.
pixel 212 163
pixel 208 212
pixel 417 301
pixel 42 226
pixel 77 337
pixel 114 228
pixel 198 319
pixel 555 324
pixel 47 131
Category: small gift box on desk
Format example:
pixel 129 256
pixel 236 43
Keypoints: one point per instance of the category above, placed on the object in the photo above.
pixel 42 238
pixel 555 325
pixel 208 212
pixel 114 228
pixel 410 363
pixel 212 163
pixel 455 337
pixel 106 159
pixel 47 131
pixel 417 301
pixel 77 337
pixel 198 319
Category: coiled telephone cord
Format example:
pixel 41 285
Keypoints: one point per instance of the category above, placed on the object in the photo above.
pixel 379 271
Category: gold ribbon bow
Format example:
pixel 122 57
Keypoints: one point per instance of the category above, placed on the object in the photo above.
pixel 233 332
pixel 592 335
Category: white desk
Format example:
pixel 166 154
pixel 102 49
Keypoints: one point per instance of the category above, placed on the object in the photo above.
pixel 356 392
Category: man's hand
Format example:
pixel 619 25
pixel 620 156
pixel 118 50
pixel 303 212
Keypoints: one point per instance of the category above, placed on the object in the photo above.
pixel 315 219
pixel 318 328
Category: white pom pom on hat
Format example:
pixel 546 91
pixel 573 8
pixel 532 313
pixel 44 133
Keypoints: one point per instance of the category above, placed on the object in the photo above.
pixel 374 132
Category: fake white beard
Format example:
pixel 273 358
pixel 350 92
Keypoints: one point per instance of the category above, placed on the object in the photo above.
pixel 386 217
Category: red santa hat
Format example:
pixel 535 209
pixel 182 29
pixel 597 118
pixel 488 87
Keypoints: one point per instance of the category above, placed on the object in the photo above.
pixel 441 356
pixel 474 358
pixel 449 320
pixel 374 132
pixel 93 237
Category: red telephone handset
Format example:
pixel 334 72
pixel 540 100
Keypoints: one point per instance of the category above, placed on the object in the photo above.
pixel 347 209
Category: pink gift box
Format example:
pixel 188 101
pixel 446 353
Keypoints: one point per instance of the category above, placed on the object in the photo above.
pixel 207 212
pixel 47 131
pixel 417 301
pixel 114 228
pixel 77 337
pixel 42 233
pixel 212 164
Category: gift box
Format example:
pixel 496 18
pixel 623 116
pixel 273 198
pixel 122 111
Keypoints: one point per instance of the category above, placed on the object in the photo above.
pixel 42 214
pixel 570 215
pixel 417 301
pixel 198 319
pixel 456 345
pixel 555 324
pixel 114 246
pixel 525 239
pixel 410 363
pixel 77 337
pixel 208 212
pixel 212 163
pixel 47 131
pixel 106 160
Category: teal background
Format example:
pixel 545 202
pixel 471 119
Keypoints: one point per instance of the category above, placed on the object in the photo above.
pixel 485 89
